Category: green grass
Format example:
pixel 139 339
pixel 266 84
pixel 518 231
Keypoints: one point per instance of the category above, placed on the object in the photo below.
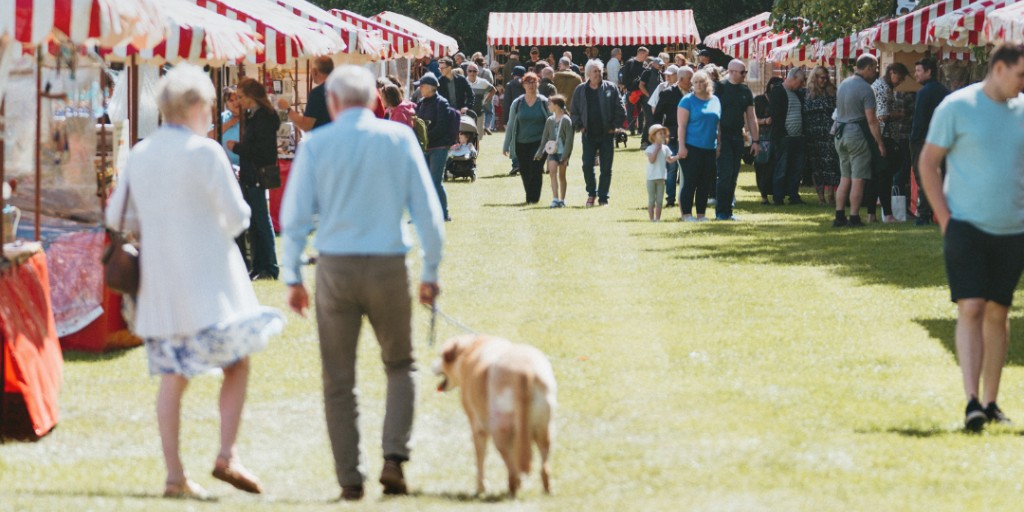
pixel 770 364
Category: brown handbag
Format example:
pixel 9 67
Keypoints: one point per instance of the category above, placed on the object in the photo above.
pixel 121 259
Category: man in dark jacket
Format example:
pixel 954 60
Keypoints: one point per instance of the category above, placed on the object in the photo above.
pixel 649 81
pixel 928 98
pixel 787 139
pixel 665 115
pixel 628 76
pixel 513 90
pixel 454 88
pixel 433 110
pixel 547 86
pixel 597 111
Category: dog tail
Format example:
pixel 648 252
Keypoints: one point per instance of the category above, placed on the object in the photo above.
pixel 522 422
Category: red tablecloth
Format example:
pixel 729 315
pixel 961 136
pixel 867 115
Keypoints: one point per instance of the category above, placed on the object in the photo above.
pixel 277 193
pixel 33 362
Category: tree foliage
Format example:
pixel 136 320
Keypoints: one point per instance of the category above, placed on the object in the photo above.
pixel 466 20
pixel 829 19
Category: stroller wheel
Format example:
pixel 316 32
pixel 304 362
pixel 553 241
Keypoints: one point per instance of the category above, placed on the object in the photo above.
pixel 448 176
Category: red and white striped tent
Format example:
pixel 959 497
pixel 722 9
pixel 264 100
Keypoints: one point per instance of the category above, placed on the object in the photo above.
pixel 766 44
pixel 755 24
pixel 107 22
pixel 963 27
pixel 628 28
pixel 440 44
pixel 1006 24
pixel 402 43
pixel 797 54
pixel 194 35
pixel 910 31
pixel 744 46
pixel 850 47
pixel 286 36
pixel 366 41
pixel 538 29
pixel 632 28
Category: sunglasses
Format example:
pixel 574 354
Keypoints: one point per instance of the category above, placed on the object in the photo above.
pixel 744 73
pixel 472 71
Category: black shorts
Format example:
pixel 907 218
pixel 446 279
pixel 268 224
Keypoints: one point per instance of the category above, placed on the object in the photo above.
pixel 980 265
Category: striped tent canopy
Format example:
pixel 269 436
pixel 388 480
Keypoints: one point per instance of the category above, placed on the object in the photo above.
pixel 755 24
pixel 440 44
pixel 851 47
pixel 744 46
pixel 797 54
pixel 633 28
pixel 963 27
pixel 1006 24
pixel 105 22
pixel 402 44
pixel 286 37
pixel 538 29
pixel 910 31
pixel 367 41
pixel 766 44
pixel 195 35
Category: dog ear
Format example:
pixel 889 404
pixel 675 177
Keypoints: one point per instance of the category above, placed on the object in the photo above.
pixel 449 355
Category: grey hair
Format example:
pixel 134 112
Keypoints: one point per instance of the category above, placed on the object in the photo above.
pixel 616 51
pixel 182 88
pixel 687 70
pixel 795 73
pixel 351 85
pixel 565 60
pixel 593 63
pixel 547 72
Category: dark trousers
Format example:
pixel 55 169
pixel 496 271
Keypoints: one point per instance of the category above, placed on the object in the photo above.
pixel 728 172
pixel 763 174
pixel 673 173
pixel 648 119
pixel 879 189
pixel 531 170
pixel 697 166
pixel 605 143
pixel 901 172
pixel 789 165
pixel 261 232
pixel 924 208
pixel 437 158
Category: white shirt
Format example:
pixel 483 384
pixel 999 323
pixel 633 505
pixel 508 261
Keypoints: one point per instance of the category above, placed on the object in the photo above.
pixel 189 206
pixel 656 170
pixel 613 70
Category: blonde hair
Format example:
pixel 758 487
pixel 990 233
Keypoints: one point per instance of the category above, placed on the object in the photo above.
pixel 814 89
pixel 702 82
pixel 182 88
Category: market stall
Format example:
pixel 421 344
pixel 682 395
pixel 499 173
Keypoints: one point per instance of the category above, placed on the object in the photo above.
pixel 441 45
pixel 759 24
pixel 628 28
pixel 365 42
pixel 1006 24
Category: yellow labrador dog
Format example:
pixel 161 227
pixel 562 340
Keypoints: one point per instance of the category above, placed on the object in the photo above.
pixel 508 392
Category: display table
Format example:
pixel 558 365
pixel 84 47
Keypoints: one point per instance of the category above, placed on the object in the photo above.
pixel 32 360
pixel 285 164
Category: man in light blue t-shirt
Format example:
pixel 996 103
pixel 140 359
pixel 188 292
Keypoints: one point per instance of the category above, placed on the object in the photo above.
pixel 979 130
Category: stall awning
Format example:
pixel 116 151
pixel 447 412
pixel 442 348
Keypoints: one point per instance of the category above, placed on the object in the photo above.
pixel 628 28
pixel 286 36
pixel 440 44
pixel 538 29
pixel 963 27
pixel 108 22
pixel 744 46
pixel 766 44
pixel 1006 24
pixel 851 47
pixel 402 44
pixel 797 54
pixel 365 41
pixel 910 31
pixel 733 32
pixel 195 35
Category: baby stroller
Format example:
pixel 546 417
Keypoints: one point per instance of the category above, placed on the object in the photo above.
pixel 461 162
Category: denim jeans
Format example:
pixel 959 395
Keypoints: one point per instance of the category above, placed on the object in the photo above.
pixel 673 172
pixel 789 165
pixel 261 232
pixel 728 172
pixel 436 160
pixel 605 143
pixel 697 166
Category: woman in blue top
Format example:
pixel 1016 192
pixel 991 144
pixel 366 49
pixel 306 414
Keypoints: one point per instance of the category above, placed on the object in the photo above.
pixel 699 114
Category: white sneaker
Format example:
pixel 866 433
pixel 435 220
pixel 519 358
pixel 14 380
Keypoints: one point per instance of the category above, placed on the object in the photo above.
pixel 689 218
pixel 702 219
pixel 554 203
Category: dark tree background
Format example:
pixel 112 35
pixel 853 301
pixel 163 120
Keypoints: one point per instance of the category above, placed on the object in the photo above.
pixel 466 20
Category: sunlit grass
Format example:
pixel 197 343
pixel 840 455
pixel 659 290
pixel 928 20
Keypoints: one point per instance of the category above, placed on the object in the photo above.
pixel 770 364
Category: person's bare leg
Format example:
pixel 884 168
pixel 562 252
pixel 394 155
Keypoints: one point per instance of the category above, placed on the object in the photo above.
pixel 232 399
pixel 650 212
pixel 552 168
pixel 168 417
pixel 970 348
pixel 856 196
pixel 996 336
pixel 561 180
pixel 657 210
pixel 842 194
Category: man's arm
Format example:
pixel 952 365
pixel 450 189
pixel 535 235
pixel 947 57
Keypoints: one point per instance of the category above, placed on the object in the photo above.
pixel 931 178
pixel 297 209
pixel 752 129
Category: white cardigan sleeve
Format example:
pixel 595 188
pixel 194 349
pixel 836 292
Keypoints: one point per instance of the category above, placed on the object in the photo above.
pixel 225 195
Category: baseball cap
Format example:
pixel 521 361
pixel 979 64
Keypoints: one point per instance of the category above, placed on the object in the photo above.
pixel 518 71
pixel 670 70
pixel 428 79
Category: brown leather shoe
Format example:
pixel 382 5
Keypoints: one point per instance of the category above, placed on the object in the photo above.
pixel 392 479
pixel 235 474
pixel 352 493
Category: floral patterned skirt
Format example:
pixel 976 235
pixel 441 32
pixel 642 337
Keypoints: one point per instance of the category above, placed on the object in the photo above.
pixel 218 346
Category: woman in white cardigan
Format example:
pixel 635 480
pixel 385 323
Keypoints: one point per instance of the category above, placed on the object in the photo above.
pixel 196 309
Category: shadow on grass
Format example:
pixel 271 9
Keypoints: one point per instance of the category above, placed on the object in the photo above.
pixel 111 494
pixel 897 255
pixel 463 497
pixel 75 356
pixel 944 329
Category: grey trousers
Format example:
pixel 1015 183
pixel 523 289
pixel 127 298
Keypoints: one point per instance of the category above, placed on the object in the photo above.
pixel 348 288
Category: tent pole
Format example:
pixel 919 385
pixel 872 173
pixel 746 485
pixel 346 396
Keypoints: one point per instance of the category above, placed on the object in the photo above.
pixel 133 101
pixel 3 139
pixel 39 138
pixel 218 125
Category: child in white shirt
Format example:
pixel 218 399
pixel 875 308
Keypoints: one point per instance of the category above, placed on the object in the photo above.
pixel 464 150
pixel 658 155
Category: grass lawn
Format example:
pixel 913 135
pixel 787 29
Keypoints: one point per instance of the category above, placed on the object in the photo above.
pixel 769 364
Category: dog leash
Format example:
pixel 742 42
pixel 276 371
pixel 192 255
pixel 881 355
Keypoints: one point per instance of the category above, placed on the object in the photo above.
pixel 435 311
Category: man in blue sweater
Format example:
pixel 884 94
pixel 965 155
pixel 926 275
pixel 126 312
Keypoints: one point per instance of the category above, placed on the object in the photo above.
pixel 928 98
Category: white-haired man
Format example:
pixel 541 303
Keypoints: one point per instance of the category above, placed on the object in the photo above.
pixel 597 111
pixel 361 269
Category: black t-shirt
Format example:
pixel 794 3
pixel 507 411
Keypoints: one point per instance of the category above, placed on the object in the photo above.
pixel 595 124
pixel 316 107
pixel 735 99
pixel 651 78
